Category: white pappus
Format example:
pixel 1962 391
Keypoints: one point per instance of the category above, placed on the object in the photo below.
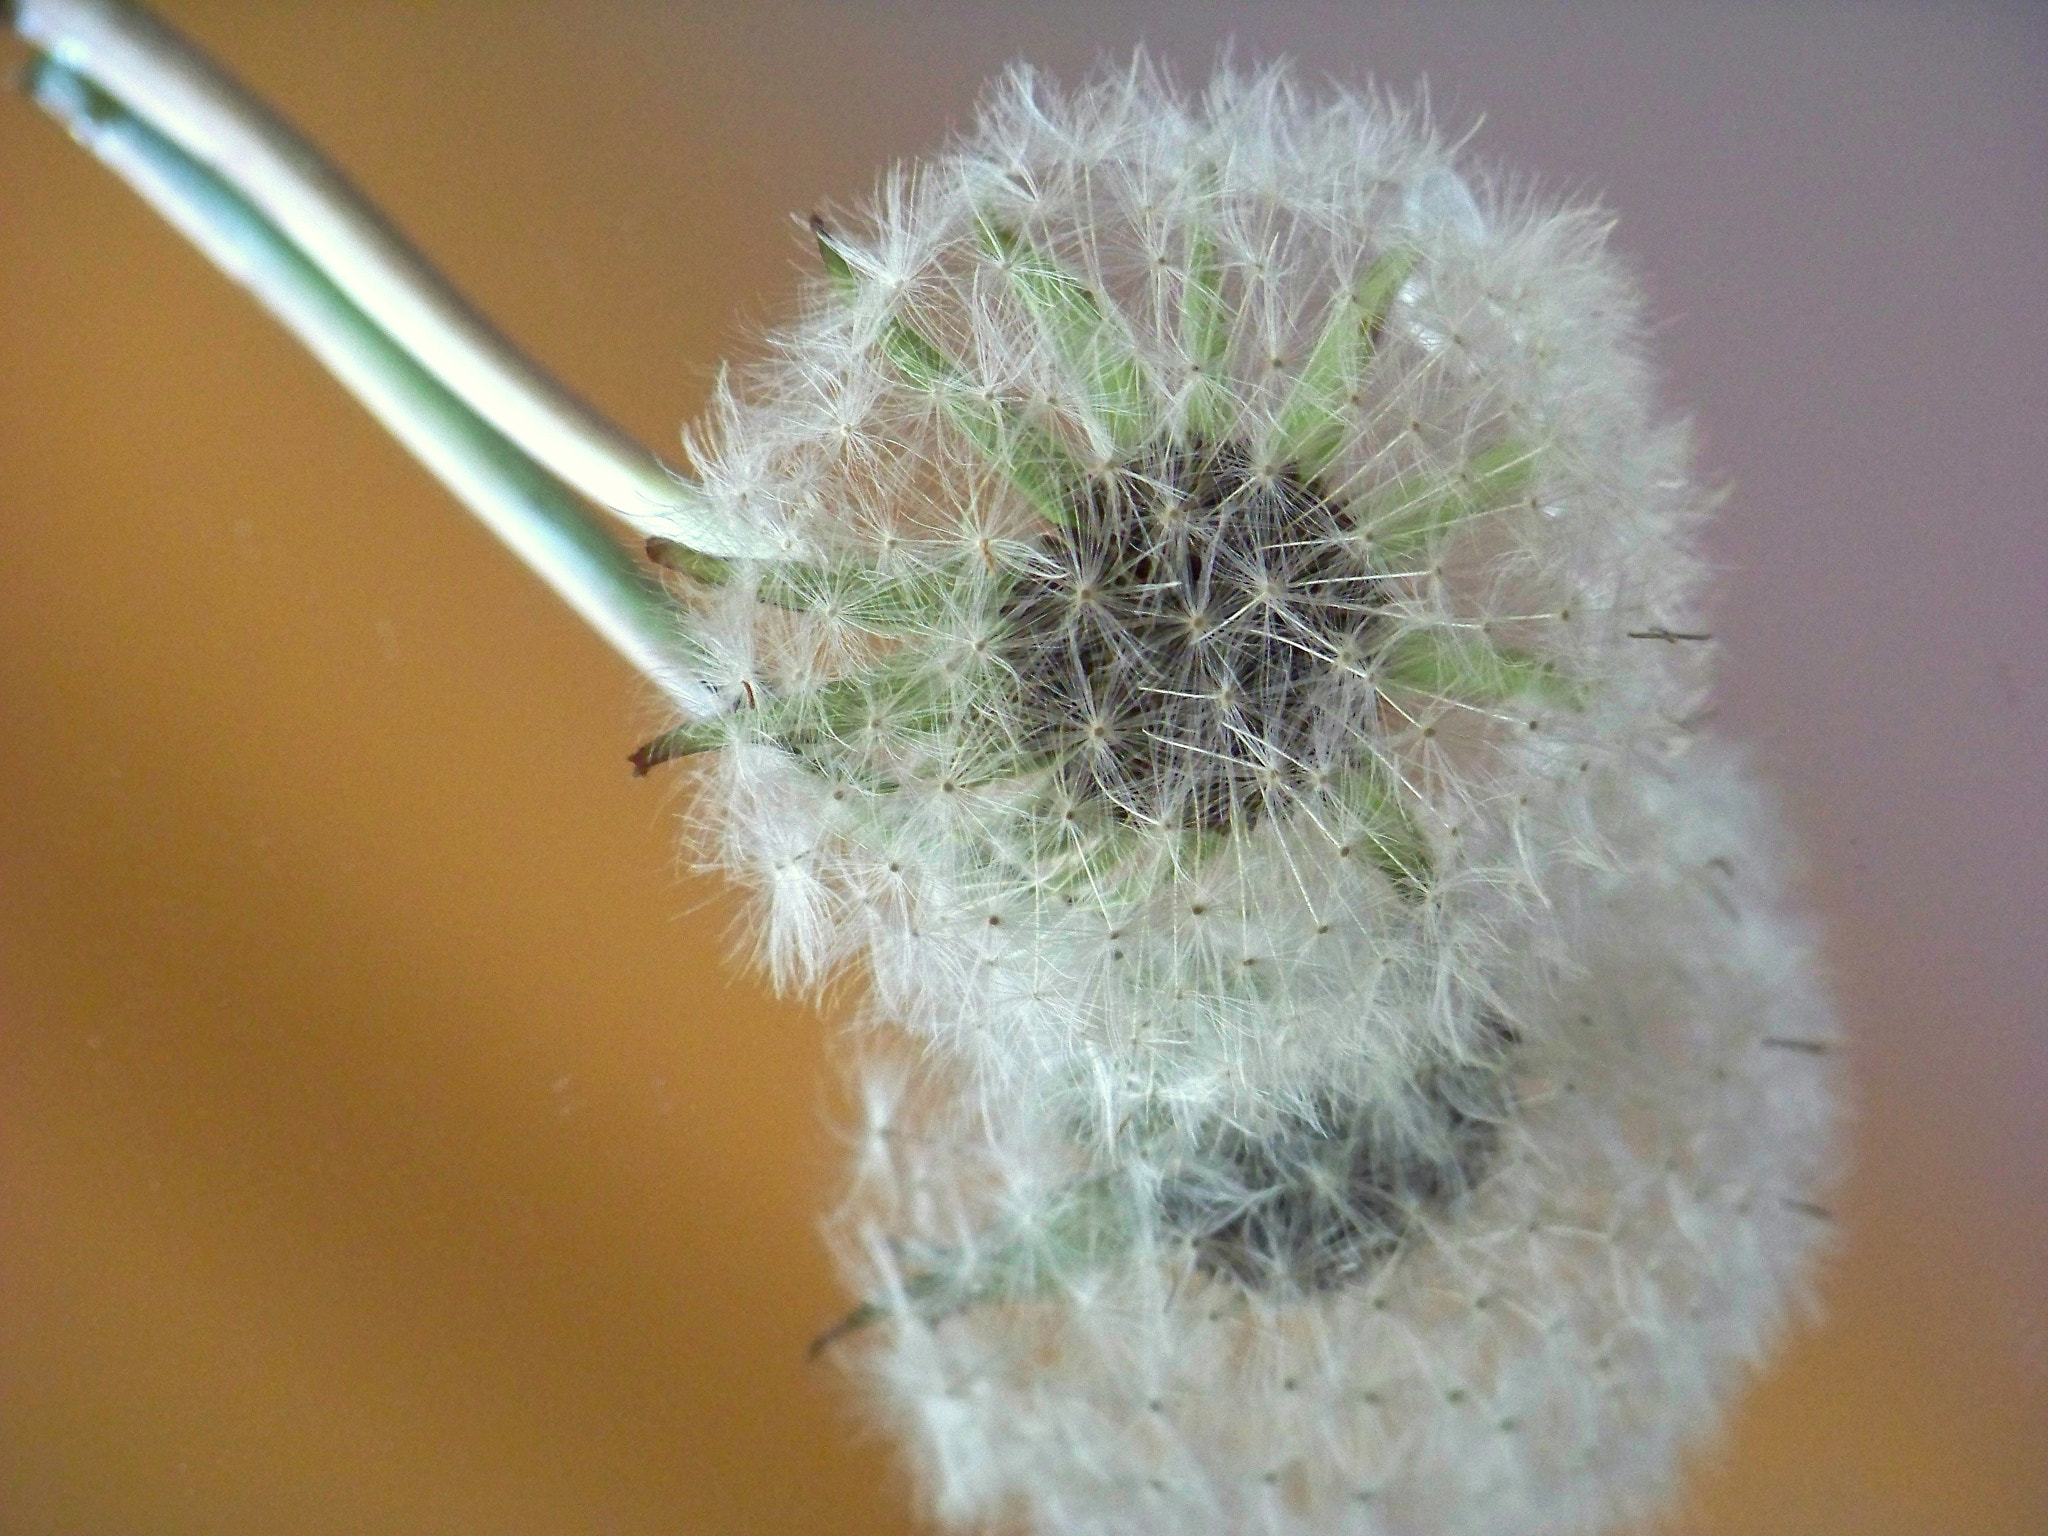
pixel 1213 546
pixel 1226 674
pixel 1309 1334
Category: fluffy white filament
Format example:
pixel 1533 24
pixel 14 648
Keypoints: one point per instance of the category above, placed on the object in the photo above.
pixel 1532 1358
pixel 1334 930
pixel 1226 676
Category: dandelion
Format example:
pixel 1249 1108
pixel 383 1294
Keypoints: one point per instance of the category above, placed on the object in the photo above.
pixel 1225 676
pixel 1295 1333
pixel 1210 539
pixel 1200 607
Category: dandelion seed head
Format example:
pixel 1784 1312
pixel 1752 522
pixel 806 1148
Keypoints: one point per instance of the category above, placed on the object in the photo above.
pixel 1215 521
pixel 1303 1330
pixel 1224 684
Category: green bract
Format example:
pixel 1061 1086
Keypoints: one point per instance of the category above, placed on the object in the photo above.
pixel 1172 440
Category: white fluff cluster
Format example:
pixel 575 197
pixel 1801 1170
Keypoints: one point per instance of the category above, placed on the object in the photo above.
pixel 1226 679
pixel 1530 1356
pixel 1213 546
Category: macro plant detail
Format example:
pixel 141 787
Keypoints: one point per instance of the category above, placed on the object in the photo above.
pixel 1202 621
pixel 1533 1353
pixel 1200 608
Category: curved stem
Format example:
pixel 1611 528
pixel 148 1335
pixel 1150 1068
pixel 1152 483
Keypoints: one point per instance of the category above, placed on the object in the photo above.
pixel 520 502
pixel 189 100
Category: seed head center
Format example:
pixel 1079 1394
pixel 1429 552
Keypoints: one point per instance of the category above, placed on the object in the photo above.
pixel 1175 650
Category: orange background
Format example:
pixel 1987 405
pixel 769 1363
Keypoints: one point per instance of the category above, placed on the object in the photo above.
pixel 386 1143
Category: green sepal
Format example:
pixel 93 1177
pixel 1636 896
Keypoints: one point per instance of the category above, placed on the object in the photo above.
pixel 1205 335
pixel 686 740
pixel 847 709
pixel 1087 853
pixel 1030 458
pixel 1087 336
pixel 709 570
pixel 1033 461
pixel 1089 1229
pixel 1462 668
pixel 1309 430
pixel 1391 839
pixel 861 597
pixel 831 715
pixel 1399 521
pixel 833 257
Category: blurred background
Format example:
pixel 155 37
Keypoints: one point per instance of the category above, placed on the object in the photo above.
pixel 387 1142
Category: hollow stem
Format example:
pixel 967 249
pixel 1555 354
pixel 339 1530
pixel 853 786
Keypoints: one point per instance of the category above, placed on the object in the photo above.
pixel 519 501
pixel 188 100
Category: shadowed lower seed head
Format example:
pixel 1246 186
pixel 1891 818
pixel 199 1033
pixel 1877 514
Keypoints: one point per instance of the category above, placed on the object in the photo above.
pixel 1321 1199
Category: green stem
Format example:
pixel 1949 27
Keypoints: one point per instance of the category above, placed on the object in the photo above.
pixel 519 501
pixel 191 102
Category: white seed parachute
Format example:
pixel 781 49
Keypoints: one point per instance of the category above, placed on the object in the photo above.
pixel 1228 679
